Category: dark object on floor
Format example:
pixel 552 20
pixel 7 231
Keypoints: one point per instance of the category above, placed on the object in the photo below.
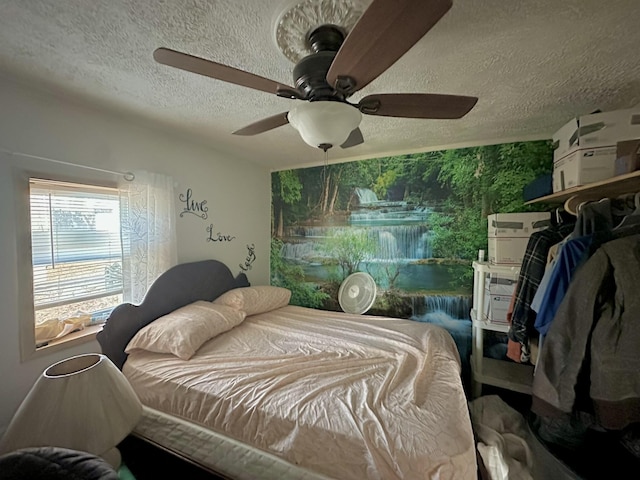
pixel 54 463
pixel 600 454
pixel 148 462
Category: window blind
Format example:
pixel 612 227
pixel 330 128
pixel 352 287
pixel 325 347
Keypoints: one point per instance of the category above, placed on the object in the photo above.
pixel 75 241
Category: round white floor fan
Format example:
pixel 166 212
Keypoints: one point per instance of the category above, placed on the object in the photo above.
pixel 357 293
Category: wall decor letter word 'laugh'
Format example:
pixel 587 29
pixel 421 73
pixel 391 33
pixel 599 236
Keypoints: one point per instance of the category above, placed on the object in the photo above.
pixel 251 257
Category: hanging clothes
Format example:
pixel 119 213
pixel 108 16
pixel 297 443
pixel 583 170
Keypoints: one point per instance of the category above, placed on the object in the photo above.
pixel 591 347
pixel 572 255
pixel 592 217
pixel 531 272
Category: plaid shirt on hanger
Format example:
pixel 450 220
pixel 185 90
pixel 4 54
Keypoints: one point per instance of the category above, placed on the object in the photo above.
pixel 531 272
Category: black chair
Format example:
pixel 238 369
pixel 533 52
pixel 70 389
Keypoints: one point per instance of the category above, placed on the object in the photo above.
pixel 54 463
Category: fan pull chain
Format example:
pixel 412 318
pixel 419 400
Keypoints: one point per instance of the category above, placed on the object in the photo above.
pixel 323 174
pixel 325 164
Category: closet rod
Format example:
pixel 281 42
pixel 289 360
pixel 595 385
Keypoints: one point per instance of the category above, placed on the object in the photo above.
pixel 129 176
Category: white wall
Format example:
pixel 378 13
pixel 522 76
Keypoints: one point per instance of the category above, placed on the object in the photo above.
pixel 39 123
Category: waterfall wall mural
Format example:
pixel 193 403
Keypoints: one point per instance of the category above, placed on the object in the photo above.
pixel 414 222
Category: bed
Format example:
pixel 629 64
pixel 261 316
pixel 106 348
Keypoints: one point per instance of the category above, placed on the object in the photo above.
pixel 277 391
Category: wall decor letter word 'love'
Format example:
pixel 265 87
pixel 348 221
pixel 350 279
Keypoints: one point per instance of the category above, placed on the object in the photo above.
pixel 217 237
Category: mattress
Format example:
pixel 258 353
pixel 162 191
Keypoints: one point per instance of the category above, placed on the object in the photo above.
pixel 214 451
pixel 345 396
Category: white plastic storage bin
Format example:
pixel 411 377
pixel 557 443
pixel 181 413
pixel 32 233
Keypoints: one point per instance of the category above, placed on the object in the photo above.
pixel 499 288
pixel 500 373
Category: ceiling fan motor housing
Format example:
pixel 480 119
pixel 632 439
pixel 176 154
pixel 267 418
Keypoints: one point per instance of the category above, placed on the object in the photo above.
pixel 325 38
pixel 310 77
pixel 310 73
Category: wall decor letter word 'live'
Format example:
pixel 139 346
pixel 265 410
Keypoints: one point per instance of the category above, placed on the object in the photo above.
pixel 199 209
pixel 217 237
pixel 251 257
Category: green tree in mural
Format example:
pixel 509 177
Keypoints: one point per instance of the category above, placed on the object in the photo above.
pixel 384 182
pixel 481 181
pixel 285 191
pixel 401 178
pixel 290 276
pixel 349 248
pixel 328 190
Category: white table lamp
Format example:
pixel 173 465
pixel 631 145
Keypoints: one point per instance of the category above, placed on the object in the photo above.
pixel 83 403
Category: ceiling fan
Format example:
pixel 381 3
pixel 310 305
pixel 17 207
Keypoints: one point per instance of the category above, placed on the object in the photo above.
pixel 340 65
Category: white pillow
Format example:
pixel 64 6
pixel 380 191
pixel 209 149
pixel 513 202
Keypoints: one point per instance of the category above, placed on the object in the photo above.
pixel 183 331
pixel 254 300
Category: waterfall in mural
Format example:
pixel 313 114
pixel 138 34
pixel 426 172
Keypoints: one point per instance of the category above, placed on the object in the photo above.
pixel 402 237
pixel 400 232
pixel 394 242
pixel 455 306
pixel 366 196
pixel 371 211
pixel 450 312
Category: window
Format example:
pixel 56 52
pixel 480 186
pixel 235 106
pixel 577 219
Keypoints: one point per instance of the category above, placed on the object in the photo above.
pixel 84 248
pixel 76 250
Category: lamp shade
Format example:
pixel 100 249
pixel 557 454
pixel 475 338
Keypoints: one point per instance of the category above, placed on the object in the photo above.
pixel 81 403
pixel 324 124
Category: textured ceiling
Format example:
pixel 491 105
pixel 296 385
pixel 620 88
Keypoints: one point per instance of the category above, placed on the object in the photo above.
pixel 533 64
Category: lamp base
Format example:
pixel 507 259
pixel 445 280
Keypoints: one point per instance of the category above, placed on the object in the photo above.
pixel 113 457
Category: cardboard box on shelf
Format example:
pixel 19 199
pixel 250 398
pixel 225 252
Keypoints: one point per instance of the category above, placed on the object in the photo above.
pixel 499 289
pixel 508 235
pixel 562 138
pixel 584 166
pixel 603 129
pixel 507 251
pixel 521 224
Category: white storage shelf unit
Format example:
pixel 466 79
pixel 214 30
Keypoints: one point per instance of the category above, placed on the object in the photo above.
pixel 500 373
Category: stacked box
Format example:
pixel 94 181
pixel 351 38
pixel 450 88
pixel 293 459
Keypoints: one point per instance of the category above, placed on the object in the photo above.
pixel 585 147
pixel 584 166
pixel 509 234
pixel 499 288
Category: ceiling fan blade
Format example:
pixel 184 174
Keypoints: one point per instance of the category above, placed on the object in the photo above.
pixel 417 105
pixel 386 30
pixel 215 70
pixel 264 125
pixel 354 138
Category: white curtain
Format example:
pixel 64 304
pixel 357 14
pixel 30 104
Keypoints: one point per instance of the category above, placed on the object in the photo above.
pixel 147 212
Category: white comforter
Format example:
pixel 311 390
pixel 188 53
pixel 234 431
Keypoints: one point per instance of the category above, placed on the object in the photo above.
pixel 349 396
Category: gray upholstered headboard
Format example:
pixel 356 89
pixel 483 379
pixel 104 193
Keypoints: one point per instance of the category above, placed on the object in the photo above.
pixel 175 288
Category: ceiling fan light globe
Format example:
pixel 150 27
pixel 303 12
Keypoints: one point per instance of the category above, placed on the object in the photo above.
pixel 324 122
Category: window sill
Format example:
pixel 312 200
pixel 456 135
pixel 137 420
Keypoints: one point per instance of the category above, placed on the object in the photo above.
pixel 75 338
